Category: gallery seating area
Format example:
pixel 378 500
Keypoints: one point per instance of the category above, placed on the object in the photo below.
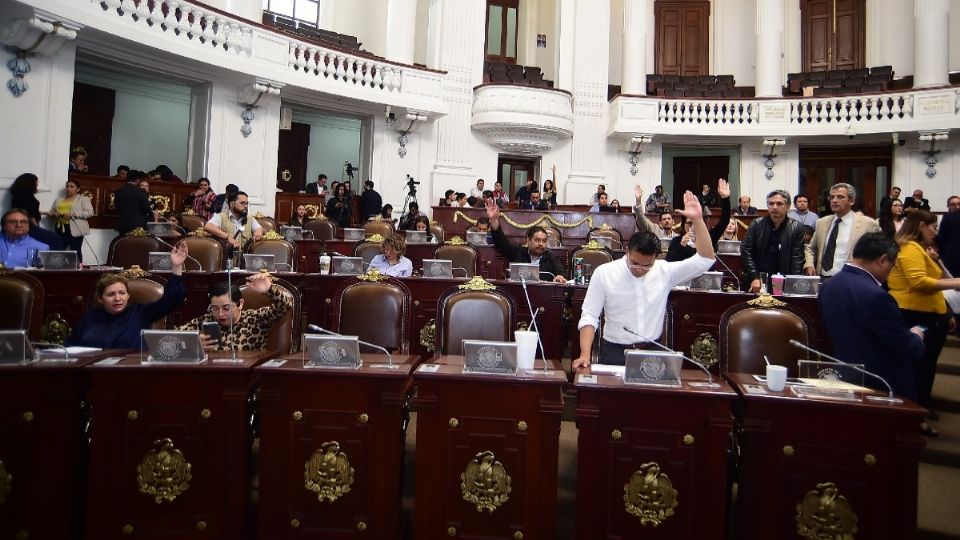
pixel 840 82
pixel 499 72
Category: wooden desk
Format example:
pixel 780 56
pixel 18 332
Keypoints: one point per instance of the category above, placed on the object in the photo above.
pixel 628 432
pixel 170 449
pixel 306 414
pixel 504 429
pixel 790 446
pixel 43 448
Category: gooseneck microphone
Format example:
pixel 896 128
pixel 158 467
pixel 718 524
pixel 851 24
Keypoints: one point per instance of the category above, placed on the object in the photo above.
pixel 315 328
pixel 708 384
pixel 199 266
pixel 732 274
pixel 92 252
pixel 533 320
pixel 891 398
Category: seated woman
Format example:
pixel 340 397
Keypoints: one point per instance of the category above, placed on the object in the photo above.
pixel 299 217
pixel 116 322
pixel 391 261
pixel 422 223
pixel 178 230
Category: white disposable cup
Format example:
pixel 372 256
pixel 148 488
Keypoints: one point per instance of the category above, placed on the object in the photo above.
pixel 776 377
pixel 526 348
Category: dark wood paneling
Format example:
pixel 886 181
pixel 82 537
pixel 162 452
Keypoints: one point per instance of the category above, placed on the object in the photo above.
pixel 849 35
pixel 292 158
pixel 833 34
pixel 692 172
pixel 682 37
pixel 91 125
pixel 168 196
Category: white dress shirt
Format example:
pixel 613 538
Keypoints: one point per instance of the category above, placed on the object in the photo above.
pixel 637 303
pixel 843 243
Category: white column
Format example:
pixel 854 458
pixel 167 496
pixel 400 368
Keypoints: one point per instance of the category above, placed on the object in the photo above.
pixel 634 54
pixel 930 21
pixel 769 32
pixel 401 30
pixel 591 57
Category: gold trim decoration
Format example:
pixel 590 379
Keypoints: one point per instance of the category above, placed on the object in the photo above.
pixel 259 215
pixel 161 203
pixel 271 235
pixel 616 434
pixel 164 473
pixel 825 513
pixel 485 483
pixel 870 459
pixel 328 472
pixel 188 212
pixel 297 416
pixel 605 227
pixel 477 283
pixel 6 483
pixel 199 233
pixel 451 531
pixel 544 217
pixel 294 523
pixel 373 275
pixel 788 450
pixel 705 350
pixel 55 329
pixel 522 426
pixel 127 529
pixel 593 245
pixel 375 238
pixel 649 495
pixel 428 335
pixel 518 535
pixel 363 418
pixel 456 241
pixel 766 300
pixel 361 526
pixel 134 272
pixel 313 211
pixel 201 525
pixel 688 439
pixel 27 416
pixel 453 422
pixel 206 414
pixel 132 415
pixel 139 231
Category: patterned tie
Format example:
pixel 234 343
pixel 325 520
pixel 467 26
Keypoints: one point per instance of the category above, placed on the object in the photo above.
pixel 831 248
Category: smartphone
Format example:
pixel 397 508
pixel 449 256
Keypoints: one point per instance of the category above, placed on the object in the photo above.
pixel 212 329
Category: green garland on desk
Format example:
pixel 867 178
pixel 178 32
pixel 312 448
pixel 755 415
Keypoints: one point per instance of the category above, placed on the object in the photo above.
pixel 588 220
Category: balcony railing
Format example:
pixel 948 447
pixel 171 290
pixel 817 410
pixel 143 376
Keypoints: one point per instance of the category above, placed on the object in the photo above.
pixel 522 119
pixel 868 113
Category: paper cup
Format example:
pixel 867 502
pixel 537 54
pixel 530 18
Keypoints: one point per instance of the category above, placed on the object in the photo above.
pixel 526 348
pixel 776 377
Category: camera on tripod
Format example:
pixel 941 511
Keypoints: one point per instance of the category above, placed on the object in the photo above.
pixel 412 184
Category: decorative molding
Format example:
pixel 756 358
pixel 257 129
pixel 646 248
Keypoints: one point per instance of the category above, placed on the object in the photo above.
pixel 250 96
pixel 522 119
pixel 26 37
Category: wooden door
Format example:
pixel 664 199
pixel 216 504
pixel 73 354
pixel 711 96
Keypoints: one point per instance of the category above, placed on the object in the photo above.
pixel 692 172
pixel 91 126
pixel 867 169
pixel 292 158
pixel 833 34
pixel 513 173
pixel 682 37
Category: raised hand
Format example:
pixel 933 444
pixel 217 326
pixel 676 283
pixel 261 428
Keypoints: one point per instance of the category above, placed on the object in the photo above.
pixel 493 211
pixel 723 188
pixel 260 282
pixel 638 192
pixel 178 255
pixel 691 206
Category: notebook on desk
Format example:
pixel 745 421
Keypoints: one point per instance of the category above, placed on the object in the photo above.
pixel 59 260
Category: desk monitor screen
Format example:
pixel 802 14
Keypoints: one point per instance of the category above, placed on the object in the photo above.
pixel 437 268
pixel 728 247
pixel 529 271
pixel 15 348
pixel 416 237
pixel 291 233
pixel 347 266
pixel 159 261
pixel 496 357
pixel 172 347
pixel 254 262
pixel 477 238
pixel 59 260
pixel 325 351
pixel 160 228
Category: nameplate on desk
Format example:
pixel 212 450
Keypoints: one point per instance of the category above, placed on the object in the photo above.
pixel 707 281
pixel 587 379
pixel 159 261
pixel 801 285
pixel 659 368
pixel 728 247
pixel 332 352
pixel 429 368
pixel 276 362
pixel 491 357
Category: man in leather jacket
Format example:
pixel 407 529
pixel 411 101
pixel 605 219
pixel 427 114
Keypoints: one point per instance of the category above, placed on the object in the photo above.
pixel 773 244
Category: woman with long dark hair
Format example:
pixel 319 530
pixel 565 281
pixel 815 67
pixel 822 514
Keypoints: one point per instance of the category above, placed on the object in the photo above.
pixel 23 192
pixel 338 207
pixel 891 218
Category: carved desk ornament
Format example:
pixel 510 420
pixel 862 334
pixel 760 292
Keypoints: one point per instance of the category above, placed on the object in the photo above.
pixel 659 368
pixel 492 357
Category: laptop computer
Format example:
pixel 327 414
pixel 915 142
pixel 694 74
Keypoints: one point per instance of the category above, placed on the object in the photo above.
pixel 15 348
pixel 660 368
pixel 291 233
pixel 496 357
pixel 437 268
pixel 59 260
pixel 326 351
pixel 160 228
pixel 159 261
pixel 346 266
pixel 172 347
pixel 529 271
pixel 477 238
pixel 354 235
pixel 416 237
pixel 728 247
pixel 254 262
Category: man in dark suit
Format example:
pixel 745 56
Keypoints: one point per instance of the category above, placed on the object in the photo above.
pixel 948 237
pixel 773 244
pixel 917 202
pixel 864 322
pixel 132 204
pixel 535 252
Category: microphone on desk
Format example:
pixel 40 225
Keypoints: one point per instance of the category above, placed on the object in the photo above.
pixel 735 278
pixel 164 242
pixel 315 328
pixel 92 252
pixel 709 383
pixel 533 319
pixel 891 398
pixel 465 273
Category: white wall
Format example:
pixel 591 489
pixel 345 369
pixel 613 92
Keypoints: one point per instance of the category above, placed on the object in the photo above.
pixel 333 140
pixel 889 35
pixel 366 19
pixel 733 40
pixel 954 31
pixel 150 122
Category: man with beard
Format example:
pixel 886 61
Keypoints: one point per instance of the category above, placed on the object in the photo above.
pixel 536 251
pixel 232 224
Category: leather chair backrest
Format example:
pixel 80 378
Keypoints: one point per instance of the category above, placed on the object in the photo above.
pixel 554 237
pixel 146 290
pixel 208 251
pixel 367 251
pixel 747 333
pixel 23 298
pixel 594 257
pixel 283 252
pixel 383 228
pixel 323 229
pixel 285 334
pixel 609 233
pixel 268 223
pixel 126 251
pixel 377 312
pixel 437 231
pixel 463 256
pixel 466 314
pixel 191 222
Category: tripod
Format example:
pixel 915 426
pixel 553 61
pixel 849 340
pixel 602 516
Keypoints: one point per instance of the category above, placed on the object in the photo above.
pixel 411 197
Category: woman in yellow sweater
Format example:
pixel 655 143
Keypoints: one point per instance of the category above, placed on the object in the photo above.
pixel 916 283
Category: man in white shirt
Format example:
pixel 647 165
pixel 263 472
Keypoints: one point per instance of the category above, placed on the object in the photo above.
pixel 632 292
pixel 836 234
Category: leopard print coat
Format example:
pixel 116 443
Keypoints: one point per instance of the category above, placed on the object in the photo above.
pixel 252 331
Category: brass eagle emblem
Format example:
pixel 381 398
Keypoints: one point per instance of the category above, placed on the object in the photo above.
pixel 164 473
pixel 649 495
pixel 485 483
pixel 328 472
pixel 824 513
pixel 705 350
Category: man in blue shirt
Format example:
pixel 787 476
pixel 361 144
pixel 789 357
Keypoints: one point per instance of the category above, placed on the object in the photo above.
pixel 16 245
